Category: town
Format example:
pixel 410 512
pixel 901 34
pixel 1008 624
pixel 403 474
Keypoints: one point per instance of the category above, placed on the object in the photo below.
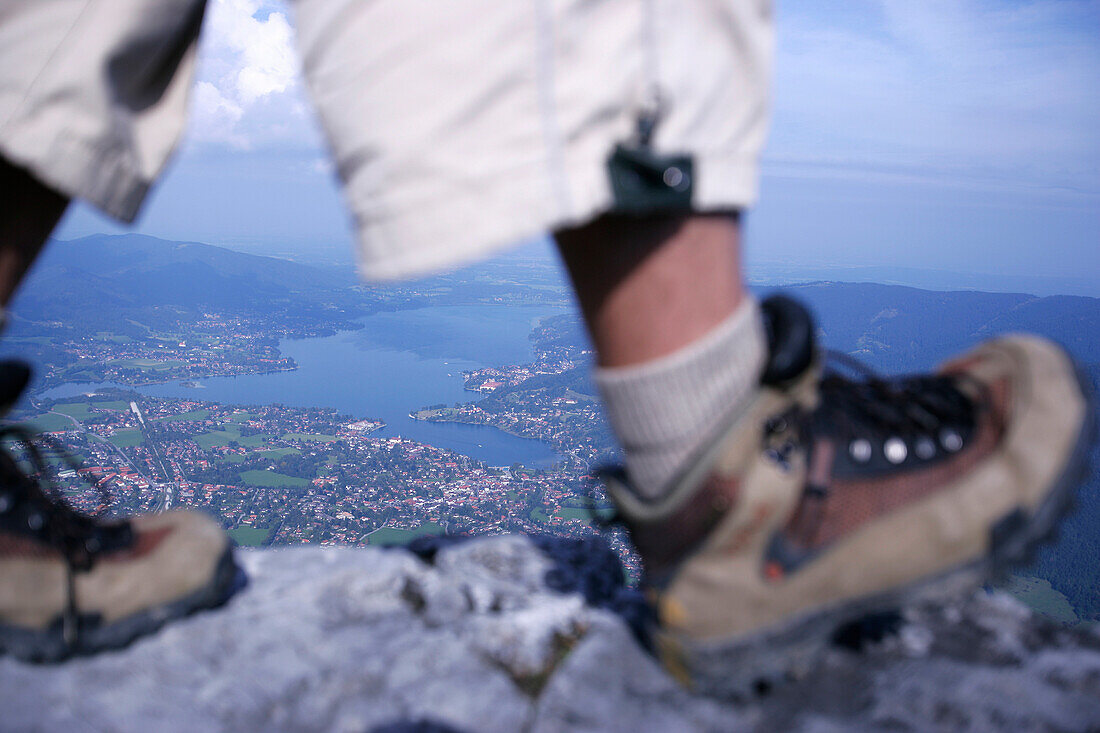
pixel 278 475
pixel 550 399
pixel 215 345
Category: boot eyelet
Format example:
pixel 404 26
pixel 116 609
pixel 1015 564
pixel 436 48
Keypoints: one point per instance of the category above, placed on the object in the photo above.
pixel 35 521
pixel 860 450
pixel 925 448
pixel 6 503
pixel 951 440
pixel 895 451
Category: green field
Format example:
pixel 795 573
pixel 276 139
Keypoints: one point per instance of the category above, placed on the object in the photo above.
pixel 279 452
pixel 390 536
pixel 1039 596
pixel 79 410
pixel 538 515
pixel 187 416
pixel 151 365
pixel 48 423
pixel 249 536
pixel 83 410
pixel 584 514
pixel 111 405
pixel 273 453
pixel 272 480
pixel 127 438
pixel 207 441
pixel 243 417
pixel 309 437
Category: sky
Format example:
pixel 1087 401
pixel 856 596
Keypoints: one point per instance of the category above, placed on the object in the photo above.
pixel 958 136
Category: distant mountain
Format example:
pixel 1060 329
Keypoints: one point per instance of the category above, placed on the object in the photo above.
pixel 134 254
pixel 111 283
pixel 125 283
pixel 786 273
pixel 896 328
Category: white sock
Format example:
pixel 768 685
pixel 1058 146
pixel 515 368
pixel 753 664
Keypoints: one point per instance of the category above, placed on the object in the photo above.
pixel 663 410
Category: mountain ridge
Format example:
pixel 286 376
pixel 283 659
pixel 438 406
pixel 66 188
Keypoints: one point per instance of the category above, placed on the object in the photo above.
pixel 122 283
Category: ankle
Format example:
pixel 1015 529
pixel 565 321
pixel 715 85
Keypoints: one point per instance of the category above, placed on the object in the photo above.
pixel 664 410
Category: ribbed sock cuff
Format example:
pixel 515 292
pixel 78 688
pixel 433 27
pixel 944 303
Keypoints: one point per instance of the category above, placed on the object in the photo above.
pixel 662 410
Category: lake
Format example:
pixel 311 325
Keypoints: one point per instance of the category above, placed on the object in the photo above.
pixel 398 362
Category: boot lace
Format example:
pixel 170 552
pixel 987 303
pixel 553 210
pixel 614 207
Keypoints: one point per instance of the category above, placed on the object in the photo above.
pixel 897 419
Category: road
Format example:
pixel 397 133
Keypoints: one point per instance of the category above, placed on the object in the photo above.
pixel 164 502
pixel 168 487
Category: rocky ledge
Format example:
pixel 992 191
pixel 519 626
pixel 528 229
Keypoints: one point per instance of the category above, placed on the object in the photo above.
pixel 519 634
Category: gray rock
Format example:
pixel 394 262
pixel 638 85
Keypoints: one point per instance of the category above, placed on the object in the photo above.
pixel 513 633
pixel 608 683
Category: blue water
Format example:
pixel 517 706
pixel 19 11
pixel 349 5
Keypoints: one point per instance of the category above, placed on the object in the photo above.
pixel 397 363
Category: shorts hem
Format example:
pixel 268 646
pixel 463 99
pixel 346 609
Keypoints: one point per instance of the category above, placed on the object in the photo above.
pixel 79 170
pixel 433 237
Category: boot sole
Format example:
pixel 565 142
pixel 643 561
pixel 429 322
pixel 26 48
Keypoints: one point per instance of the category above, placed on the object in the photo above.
pixel 48 646
pixel 740 669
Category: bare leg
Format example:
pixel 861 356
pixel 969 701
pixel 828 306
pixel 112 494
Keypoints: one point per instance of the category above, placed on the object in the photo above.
pixel 651 285
pixel 679 345
pixel 30 212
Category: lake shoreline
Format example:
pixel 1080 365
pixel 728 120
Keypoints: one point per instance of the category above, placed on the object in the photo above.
pixel 397 361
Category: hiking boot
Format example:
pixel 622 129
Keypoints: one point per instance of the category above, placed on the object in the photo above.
pixel 71 584
pixel 828 498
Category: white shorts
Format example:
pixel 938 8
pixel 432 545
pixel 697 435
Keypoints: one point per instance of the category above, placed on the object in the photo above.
pixel 457 127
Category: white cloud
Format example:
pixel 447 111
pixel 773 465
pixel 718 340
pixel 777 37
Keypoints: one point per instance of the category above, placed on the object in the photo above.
pixel 216 116
pixel 249 93
pixel 998 93
pixel 264 47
